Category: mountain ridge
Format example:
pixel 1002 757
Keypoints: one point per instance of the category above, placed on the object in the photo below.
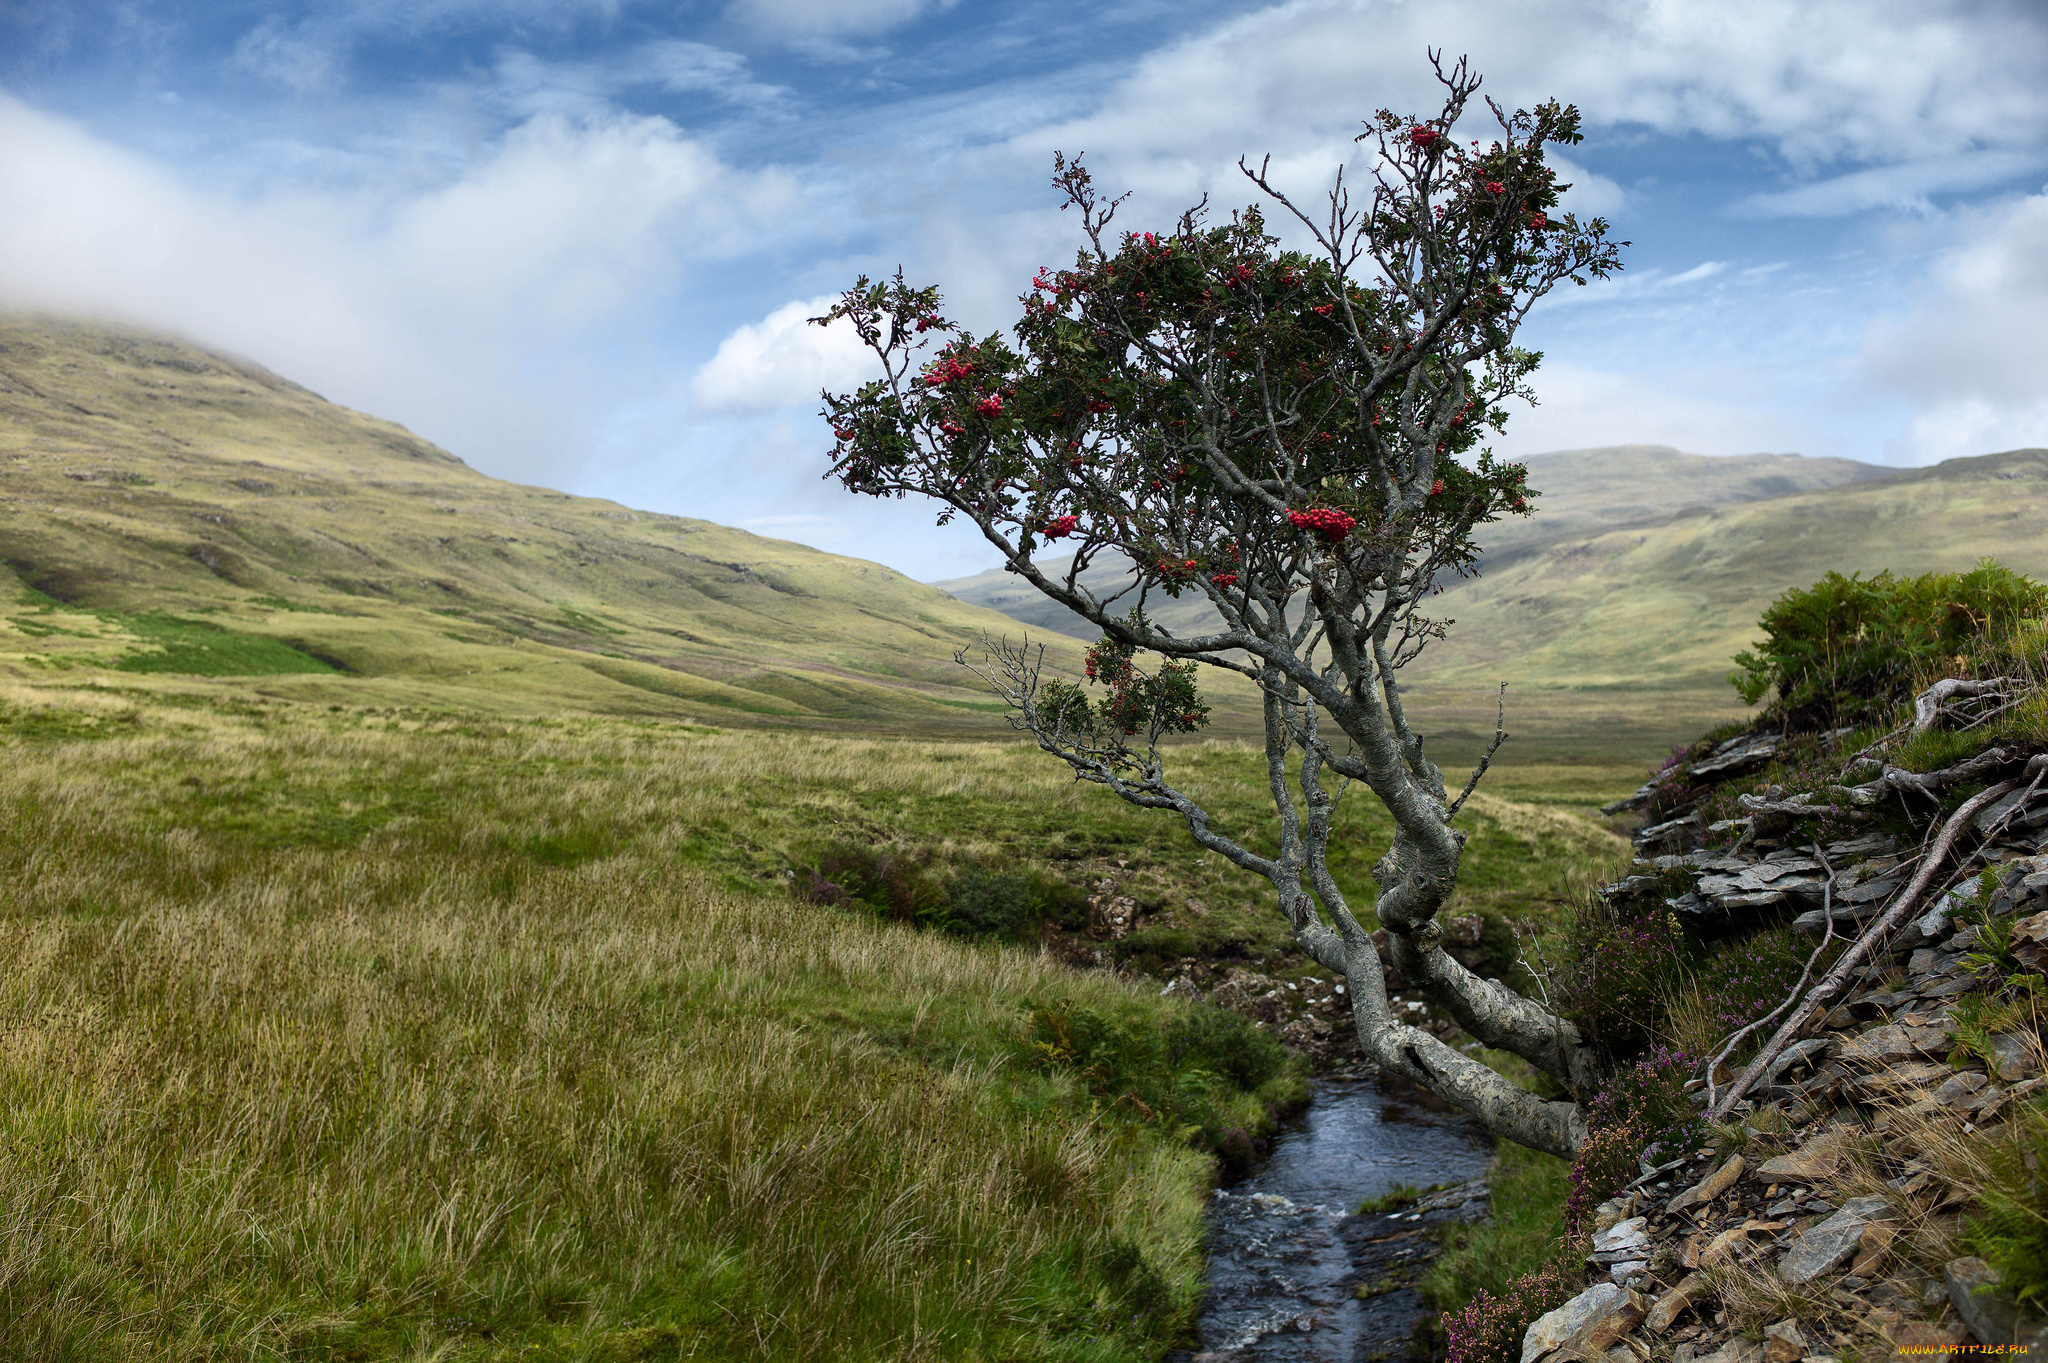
pixel 142 474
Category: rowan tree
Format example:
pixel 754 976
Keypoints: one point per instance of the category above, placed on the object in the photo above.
pixel 1291 434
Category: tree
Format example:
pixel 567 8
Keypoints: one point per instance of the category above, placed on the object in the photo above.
pixel 1280 431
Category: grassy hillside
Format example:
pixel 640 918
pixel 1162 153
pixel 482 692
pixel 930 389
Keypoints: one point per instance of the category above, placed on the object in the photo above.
pixel 1614 611
pixel 1583 492
pixel 179 511
pixel 1668 602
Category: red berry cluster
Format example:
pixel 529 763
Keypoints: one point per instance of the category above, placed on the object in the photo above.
pixel 992 405
pixel 948 370
pixel 1325 523
pixel 1061 526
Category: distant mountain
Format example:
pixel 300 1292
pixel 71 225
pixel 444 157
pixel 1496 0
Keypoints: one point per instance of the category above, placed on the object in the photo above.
pixel 1667 601
pixel 168 509
pixel 1583 492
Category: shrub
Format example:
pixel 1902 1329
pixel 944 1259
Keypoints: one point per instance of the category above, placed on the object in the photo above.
pixel 989 904
pixel 1620 966
pixel 890 883
pixel 1849 646
pixel 1641 1116
pixel 1490 1328
pixel 1737 983
pixel 907 887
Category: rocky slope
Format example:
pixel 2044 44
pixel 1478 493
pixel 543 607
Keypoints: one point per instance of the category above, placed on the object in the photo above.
pixel 1826 1217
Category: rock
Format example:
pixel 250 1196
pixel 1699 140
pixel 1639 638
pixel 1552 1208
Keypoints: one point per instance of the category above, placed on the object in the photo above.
pixel 1811 1162
pixel 1625 1240
pixel 1880 1046
pixel 2030 940
pixel 2018 1055
pixel 1918 1339
pixel 1585 1327
pixel 1613 1211
pixel 1462 930
pixel 1973 1289
pixel 1783 1343
pixel 1958 1091
pixel 1737 754
pixel 1902 1076
pixel 1710 1187
pixel 1871 891
pixel 1721 1249
pixel 1675 1303
pixel 1823 1247
pixel 1734 1351
pixel 1877 1237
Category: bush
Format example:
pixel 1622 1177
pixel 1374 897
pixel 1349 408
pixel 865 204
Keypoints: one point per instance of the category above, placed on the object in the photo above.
pixel 985 904
pixel 1849 647
pixel 1620 967
pixel 1737 983
pixel 1642 1116
pixel 1490 1328
pixel 907 887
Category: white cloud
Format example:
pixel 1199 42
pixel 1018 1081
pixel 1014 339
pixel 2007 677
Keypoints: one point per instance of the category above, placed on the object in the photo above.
pixel 526 85
pixel 297 58
pixel 783 361
pixel 1703 412
pixel 1821 81
pixel 432 308
pixel 1906 187
pixel 1971 351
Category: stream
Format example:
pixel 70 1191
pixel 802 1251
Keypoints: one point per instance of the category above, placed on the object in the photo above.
pixel 1286 1261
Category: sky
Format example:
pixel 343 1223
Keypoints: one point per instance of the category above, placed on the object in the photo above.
pixel 576 242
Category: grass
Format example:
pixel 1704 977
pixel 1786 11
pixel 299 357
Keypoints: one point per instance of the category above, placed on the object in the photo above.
pixel 146 484
pixel 419 1032
pixel 1525 1232
pixel 351 1062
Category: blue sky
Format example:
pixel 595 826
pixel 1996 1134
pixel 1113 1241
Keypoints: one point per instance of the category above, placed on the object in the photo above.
pixel 574 242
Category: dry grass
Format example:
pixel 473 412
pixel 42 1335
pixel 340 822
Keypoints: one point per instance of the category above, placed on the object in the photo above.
pixel 413 1091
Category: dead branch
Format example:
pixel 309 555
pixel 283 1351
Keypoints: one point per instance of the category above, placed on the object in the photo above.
pixel 1855 956
pixel 1949 697
pixel 1827 906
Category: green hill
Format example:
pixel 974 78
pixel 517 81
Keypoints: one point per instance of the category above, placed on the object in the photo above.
pixel 170 510
pixel 1613 612
pixel 1583 492
pixel 1667 602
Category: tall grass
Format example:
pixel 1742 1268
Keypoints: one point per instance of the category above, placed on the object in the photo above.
pixel 346 1068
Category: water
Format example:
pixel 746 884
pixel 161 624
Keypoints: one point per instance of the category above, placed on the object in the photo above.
pixel 1286 1261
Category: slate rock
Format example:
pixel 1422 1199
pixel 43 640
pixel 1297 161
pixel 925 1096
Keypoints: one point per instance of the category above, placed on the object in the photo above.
pixel 1691 1288
pixel 1783 1343
pixel 1962 1089
pixel 2016 1053
pixel 1734 1351
pixel 1826 1246
pixel 1585 1327
pixel 1625 1240
pixel 1710 1187
pixel 1879 1046
pixel 1810 1163
pixel 1973 1289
